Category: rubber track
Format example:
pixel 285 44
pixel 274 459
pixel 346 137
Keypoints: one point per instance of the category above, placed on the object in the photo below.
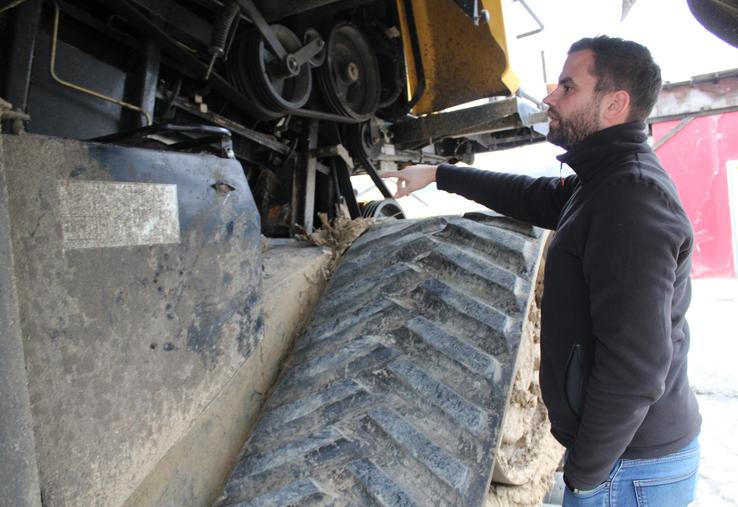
pixel 395 394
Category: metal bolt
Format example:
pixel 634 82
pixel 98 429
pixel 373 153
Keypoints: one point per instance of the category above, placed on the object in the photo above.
pixel 352 71
pixel 292 66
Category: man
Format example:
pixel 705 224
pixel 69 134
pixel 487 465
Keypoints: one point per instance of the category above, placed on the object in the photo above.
pixel 614 338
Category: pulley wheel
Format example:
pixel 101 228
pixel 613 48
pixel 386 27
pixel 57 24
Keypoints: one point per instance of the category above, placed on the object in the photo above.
pixel 275 87
pixel 237 73
pixel 349 79
pixel 391 60
pixel 257 72
pixel 386 208
pixel 363 139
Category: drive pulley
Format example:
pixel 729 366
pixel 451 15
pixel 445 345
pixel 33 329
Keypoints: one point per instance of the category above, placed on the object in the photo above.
pixel 279 84
pixel 349 80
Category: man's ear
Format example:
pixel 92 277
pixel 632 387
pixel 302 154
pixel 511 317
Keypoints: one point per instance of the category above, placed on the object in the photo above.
pixel 616 107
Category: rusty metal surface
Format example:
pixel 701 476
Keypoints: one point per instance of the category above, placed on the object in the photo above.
pixel 126 345
pixel 461 62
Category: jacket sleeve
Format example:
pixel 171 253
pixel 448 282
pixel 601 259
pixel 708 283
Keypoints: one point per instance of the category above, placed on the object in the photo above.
pixel 536 201
pixel 629 262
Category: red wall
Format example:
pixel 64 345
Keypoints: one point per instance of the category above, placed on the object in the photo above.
pixel 696 159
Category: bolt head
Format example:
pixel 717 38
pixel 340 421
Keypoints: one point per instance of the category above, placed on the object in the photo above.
pixel 292 66
pixel 352 71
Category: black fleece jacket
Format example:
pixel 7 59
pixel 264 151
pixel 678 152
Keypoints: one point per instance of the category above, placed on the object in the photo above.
pixel 614 338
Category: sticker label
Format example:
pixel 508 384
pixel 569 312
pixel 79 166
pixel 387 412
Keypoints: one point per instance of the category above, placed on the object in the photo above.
pixel 100 214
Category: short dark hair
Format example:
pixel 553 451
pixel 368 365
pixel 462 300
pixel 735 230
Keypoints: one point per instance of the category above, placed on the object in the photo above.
pixel 624 65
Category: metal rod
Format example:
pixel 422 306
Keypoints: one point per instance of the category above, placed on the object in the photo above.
pixel 524 95
pixel 543 66
pixel 310 160
pixel 13 3
pixel 672 132
pixel 264 139
pixel 73 86
pixel 535 18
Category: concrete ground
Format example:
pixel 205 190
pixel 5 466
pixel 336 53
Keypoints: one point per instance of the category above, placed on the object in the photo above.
pixel 713 372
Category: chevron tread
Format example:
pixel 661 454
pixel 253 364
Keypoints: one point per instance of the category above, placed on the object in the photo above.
pixel 395 394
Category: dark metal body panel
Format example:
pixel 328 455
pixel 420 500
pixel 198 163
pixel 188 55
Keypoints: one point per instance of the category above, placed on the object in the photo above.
pixel 126 345
pixel 21 52
pixel 55 109
pixel 18 470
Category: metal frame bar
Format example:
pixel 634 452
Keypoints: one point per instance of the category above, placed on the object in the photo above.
pixel 52 71
pixel 311 164
pixel 20 59
pixel 146 78
pixel 673 131
pixel 490 117
pixel 265 140
pixel 535 18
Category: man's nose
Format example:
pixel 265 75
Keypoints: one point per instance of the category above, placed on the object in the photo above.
pixel 548 99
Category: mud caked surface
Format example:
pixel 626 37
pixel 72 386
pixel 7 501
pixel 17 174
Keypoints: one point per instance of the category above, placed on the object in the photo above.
pixel 395 394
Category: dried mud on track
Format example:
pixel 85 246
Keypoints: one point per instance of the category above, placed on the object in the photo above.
pixel 395 393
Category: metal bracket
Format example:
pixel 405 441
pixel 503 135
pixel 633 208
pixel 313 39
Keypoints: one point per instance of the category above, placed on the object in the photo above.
pixel 339 151
pixel 308 51
pixel 52 71
pixel 18 117
pixel 535 18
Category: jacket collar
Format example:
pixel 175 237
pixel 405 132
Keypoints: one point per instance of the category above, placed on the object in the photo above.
pixel 591 154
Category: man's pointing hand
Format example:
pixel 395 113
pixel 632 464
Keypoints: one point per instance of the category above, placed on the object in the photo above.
pixel 412 178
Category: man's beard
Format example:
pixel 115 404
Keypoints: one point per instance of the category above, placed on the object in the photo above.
pixel 569 132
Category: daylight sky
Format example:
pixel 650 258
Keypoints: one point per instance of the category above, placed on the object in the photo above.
pixel 679 44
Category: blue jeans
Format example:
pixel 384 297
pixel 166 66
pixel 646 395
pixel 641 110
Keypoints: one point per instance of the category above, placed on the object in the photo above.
pixel 668 481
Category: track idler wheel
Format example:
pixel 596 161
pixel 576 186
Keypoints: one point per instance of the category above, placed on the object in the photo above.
pixel 349 79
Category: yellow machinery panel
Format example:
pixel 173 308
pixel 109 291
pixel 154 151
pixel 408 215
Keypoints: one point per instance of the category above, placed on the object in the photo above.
pixel 461 62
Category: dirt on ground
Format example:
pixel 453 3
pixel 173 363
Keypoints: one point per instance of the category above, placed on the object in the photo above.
pixel 528 455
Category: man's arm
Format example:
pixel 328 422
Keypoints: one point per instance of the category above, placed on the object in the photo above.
pixel 629 262
pixel 537 201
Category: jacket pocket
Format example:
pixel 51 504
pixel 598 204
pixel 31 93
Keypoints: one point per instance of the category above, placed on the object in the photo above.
pixel 575 380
